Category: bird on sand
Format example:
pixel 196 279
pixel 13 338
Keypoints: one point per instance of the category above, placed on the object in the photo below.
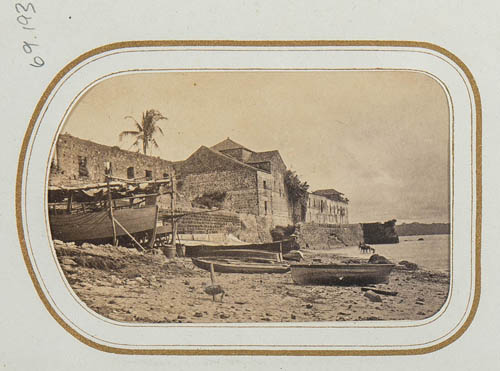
pixel 215 290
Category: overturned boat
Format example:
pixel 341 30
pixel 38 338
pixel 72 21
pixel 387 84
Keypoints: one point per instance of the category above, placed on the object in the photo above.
pixel 340 274
pixel 240 266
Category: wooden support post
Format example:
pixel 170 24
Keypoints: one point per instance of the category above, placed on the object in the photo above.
pixel 128 234
pixel 153 238
pixel 70 202
pixel 110 201
pixel 212 274
pixel 281 251
pixel 172 205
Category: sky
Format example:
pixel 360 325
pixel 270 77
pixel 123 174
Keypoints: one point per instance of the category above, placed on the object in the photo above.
pixel 379 137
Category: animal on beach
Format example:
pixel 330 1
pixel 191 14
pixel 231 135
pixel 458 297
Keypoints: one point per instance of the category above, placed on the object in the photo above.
pixel 364 248
pixel 215 290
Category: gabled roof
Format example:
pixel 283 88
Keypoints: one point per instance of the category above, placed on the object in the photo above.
pixel 262 156
pixel 227 144
pixel 268 156
pixel 331 194
pixel 203 159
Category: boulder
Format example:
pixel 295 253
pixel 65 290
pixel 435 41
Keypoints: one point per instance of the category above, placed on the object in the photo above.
pixel 68 261
pixel 408 265
pixel 378 259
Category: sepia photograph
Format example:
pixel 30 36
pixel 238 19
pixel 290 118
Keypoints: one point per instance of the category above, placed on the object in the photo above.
pixel 255 196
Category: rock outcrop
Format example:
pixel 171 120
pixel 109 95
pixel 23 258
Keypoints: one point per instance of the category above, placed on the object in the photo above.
pixel 378 233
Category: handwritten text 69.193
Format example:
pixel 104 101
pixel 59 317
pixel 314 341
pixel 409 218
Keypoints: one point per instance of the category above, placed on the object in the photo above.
pixel 25 14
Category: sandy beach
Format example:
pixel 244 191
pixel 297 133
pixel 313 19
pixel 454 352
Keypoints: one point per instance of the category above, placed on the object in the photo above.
pixel 129 286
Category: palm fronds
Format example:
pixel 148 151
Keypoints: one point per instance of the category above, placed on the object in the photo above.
pixel 145 130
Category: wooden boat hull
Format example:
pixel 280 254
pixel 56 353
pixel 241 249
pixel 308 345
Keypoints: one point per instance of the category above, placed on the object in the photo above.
pixel 204 250
pixel 340 274
pixel 242 254
pixel 98 225
pixel 234 266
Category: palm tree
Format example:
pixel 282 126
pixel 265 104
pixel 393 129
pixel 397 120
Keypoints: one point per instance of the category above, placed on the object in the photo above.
pixel 146 130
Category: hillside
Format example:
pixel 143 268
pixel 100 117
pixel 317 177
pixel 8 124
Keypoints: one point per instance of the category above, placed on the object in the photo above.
pixel 415 229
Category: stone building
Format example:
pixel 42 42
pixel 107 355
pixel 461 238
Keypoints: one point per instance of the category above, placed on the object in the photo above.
pixel 78 161
pixel 327 206
pixel 252 182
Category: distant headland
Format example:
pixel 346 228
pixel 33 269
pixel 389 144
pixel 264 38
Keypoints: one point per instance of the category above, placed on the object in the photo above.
pixel 416 229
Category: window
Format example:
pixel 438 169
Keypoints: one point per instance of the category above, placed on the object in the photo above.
pixel 265 185
pixel 165 175
pixel 108 169
pixel 82 166
pixel 149 174
pixel 130 172
pixel 265 207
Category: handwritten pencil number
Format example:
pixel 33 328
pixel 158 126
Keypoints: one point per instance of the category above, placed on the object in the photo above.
pixel 25 8
pixel 27 47
pixel 37 62
pixel 23 20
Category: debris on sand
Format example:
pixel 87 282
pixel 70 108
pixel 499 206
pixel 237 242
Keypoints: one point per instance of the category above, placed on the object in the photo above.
pixel 126 285
pixel 373 297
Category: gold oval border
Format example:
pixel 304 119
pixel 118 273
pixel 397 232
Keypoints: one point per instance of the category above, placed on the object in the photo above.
pixel 274 43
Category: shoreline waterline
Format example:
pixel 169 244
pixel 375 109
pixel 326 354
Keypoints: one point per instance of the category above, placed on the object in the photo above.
pixel 429 252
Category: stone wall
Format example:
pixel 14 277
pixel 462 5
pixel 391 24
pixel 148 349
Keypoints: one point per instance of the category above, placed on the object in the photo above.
pixel 239 185
pixel 282 208
pixel 246 227
pixel 72 151
pixel 209 223
pixel 324 236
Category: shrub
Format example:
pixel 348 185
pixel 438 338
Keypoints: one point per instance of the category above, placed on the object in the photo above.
pixel 210 199
pixel 280 233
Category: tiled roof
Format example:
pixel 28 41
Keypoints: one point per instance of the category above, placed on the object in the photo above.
pixel 324 192
pixel 228 144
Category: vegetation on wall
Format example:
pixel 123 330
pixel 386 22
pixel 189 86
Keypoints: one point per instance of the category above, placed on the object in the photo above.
pixel 280 233
pixel 210 200
pixel 297 191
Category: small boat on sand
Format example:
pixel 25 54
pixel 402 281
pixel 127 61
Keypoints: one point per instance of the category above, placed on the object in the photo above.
pixel 340 274
pixel 241 254
pixel 283 247
pixel 240 266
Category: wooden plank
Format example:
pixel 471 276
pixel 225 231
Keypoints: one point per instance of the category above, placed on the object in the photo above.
pixel 115 240
pixel 153 237
pixel 132 237
pixel 378 291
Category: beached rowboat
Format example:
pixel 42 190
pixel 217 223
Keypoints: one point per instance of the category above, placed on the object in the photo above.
pixel 340 274
pixel 283 247
pixel 240 266
pixel 241 254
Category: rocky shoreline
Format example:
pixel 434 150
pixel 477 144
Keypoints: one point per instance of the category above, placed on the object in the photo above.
pixel 129 286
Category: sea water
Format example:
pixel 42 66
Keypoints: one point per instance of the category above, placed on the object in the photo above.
pixel 432 252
